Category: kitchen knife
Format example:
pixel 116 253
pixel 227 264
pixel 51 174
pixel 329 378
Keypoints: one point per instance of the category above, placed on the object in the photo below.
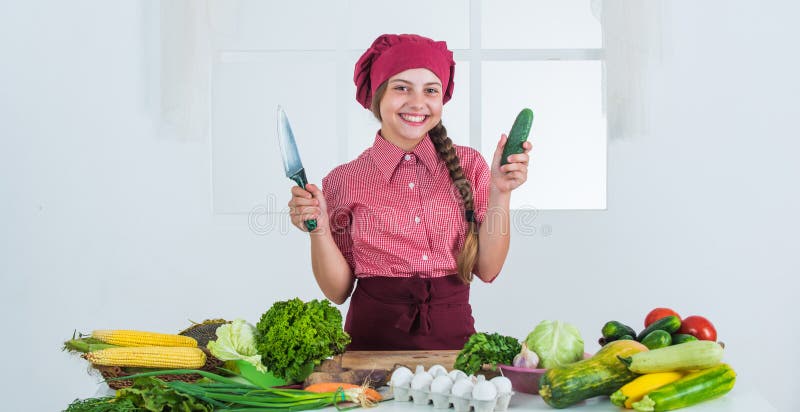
pixel 291 158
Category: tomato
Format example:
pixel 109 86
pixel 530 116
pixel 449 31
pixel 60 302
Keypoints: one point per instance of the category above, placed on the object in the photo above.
pixel 657 314
pixel 699 327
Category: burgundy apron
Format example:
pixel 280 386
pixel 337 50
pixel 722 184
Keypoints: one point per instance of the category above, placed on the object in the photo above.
pixel 389 313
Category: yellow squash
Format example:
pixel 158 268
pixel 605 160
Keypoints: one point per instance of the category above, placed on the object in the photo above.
pixel 636 389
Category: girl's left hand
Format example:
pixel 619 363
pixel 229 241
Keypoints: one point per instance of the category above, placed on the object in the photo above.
pixel 510 176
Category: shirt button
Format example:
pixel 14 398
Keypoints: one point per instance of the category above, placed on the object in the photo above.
pixel 411 185
pixel 424 257
pixel 416 219
pixel 408 157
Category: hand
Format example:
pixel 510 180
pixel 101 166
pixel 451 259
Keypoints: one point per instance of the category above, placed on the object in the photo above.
pixel 308 204
pixel 509 176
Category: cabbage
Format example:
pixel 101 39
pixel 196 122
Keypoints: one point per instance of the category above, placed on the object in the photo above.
pixel 236 341
pixel 556 343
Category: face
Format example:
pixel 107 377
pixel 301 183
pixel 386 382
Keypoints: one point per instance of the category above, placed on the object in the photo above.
pixel 411 106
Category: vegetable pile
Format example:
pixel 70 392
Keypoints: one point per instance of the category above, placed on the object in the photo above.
pixel 485 348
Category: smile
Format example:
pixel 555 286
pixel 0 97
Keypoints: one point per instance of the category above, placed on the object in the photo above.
pixel 413 118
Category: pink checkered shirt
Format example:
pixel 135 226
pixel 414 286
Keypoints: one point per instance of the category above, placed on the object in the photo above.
pixel 398 214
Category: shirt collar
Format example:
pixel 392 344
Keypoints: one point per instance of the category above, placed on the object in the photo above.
pixel 387 156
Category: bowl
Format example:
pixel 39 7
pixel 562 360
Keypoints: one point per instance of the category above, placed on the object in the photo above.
pixel 526 380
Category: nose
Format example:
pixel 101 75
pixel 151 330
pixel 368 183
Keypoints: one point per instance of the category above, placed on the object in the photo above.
pixel 417 101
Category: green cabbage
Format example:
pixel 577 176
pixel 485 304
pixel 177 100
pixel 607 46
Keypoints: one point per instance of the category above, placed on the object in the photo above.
pixel 556 343
pixel 237 341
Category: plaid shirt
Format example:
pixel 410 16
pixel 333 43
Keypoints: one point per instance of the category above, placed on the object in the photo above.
pixel 398 214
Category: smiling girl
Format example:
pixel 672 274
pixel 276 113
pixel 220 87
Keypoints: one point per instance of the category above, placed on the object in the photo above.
pixel 413 218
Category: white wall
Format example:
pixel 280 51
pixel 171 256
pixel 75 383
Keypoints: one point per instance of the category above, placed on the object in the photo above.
pixel 108 222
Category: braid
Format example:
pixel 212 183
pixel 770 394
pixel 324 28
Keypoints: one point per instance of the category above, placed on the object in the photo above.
pixel 447 152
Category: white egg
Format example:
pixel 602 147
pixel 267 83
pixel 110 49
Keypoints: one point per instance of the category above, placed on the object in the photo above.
pixel 401 377
pixel 502 384
pixel 421 381
pixel 437 370
pixel 462 388
pixel 441 384
pixel 457 374
pixel 484 391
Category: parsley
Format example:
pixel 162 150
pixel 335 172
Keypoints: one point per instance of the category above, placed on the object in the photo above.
pixel 483 348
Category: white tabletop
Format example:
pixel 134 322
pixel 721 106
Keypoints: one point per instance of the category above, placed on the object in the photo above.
pixel 738 400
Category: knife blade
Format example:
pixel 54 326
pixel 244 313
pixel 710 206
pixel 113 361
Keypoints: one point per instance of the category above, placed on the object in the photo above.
pixel 292 164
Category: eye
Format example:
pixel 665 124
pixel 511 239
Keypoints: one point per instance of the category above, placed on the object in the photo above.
pixel 432 91
pixel 401 88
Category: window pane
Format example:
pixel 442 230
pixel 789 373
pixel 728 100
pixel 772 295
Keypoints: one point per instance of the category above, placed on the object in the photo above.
pixel 539 24
pixel 275 25
pixel 445 20
pixel 568 161
pixel 246 161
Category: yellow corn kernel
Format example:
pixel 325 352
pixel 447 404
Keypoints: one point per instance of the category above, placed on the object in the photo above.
pixel 636 389
pixel 121 337
pixel 168 357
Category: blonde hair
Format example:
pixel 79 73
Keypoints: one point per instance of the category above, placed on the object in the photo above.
pixel 447 152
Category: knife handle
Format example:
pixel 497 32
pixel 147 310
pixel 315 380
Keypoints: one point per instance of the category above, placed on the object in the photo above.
pixel 300 179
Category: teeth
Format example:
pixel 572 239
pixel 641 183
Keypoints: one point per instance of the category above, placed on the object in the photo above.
pixel 411 118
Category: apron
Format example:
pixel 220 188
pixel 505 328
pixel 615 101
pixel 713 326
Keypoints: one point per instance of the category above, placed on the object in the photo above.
pixel 389 313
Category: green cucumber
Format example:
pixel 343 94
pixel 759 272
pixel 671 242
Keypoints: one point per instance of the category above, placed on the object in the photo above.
pixel 671 324
pixel 678 338
pixel 689 390
pixel 657 339
pixel 614 330
pixel 518 134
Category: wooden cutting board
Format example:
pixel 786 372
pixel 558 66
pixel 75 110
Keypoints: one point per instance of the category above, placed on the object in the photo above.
pixel 391 359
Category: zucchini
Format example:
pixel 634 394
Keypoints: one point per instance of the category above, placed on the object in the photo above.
pixel 634 390
pixel 692 389
pixel 681 338
pixel 657 339
pixel 669 323
pixel 518 134
pixel 614 330
pixel 602 374
pixel 698 354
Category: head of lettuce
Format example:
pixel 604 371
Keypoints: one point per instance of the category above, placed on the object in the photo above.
pixel 556 343
pixel 294 336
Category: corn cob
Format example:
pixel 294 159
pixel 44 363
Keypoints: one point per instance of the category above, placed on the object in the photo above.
pixel 149 357
pixel 136 338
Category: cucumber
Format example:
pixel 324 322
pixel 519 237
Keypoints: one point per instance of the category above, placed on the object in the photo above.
pixel 689 390
pixel 657 339
pixel 518 134
pixel 698 354
pixel 678 338
pixel 614 330
pixel 671 324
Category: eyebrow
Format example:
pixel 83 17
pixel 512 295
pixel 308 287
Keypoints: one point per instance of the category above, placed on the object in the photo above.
pixel 408 82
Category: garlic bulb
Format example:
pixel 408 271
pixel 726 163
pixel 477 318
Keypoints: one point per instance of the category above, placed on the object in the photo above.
pixel 502 384
pixel 401 377
pixel 526 358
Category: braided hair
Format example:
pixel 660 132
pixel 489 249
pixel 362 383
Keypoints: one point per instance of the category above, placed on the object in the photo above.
pixel 447 152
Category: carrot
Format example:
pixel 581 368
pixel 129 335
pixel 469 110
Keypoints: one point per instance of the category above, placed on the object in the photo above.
pixel 353 391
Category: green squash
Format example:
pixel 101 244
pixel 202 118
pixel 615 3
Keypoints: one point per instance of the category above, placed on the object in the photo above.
pixel 602 374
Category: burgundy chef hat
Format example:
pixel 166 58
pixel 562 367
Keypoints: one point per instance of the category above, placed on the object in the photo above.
pixel 393 53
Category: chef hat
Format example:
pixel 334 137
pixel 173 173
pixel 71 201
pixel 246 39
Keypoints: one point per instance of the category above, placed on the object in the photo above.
pixel 393 53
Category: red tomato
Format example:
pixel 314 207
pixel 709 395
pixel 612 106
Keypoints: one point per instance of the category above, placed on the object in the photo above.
pixel 699 327
pixel 657 314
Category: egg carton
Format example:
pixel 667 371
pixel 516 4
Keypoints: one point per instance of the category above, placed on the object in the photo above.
pixel 446 401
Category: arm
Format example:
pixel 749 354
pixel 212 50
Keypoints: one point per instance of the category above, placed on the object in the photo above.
pixel 331 269
pixel 495 231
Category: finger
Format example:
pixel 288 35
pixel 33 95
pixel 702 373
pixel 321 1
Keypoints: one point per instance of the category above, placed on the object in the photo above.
pixel 519 158
pixel 498 152
pixel 298 191
pixel 317 193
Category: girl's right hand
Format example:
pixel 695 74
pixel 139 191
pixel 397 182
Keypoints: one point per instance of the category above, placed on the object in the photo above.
pixel 306 204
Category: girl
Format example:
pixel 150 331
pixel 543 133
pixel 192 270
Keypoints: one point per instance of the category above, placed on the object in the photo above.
pixel 414 216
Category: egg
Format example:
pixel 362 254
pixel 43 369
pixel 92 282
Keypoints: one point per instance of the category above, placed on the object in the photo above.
pixel 437 370
pixel 502 384
pixel 401 377
pixel 441 384
pixel 462 388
